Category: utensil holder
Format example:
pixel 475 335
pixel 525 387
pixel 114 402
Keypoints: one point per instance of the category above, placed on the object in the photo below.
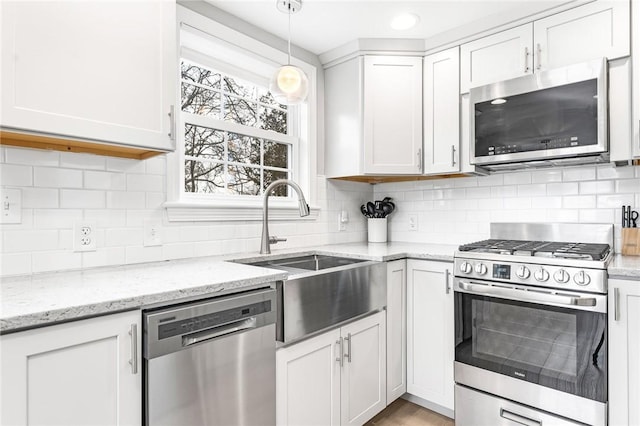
pixel 377 230
pixel 630 241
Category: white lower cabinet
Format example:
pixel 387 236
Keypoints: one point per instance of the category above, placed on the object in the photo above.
pixel 75 374
pixel 624 352
pixel 336 378
pixel 396 329
pixel 430 332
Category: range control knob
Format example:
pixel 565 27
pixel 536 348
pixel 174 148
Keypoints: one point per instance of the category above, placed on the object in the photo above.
pixel 582 278
pixel 465 267
pixel 541 275
pixel 523 272
pixel 561 276
pixel 481 269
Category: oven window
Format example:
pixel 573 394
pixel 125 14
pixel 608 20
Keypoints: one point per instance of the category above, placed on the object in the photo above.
pixel 560 348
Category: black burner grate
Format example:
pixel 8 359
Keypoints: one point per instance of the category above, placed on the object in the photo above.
pixel 540 248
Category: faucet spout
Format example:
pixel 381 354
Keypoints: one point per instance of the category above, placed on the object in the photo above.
pixel 265 243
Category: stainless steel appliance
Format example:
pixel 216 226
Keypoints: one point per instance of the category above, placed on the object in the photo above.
pixel 531 325
pixel 211 362
pixel 323 291
pixel 551 117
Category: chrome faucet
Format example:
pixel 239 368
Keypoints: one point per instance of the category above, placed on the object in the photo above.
pixel 265 244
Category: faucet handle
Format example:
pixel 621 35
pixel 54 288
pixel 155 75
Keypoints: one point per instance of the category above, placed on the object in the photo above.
pixel 275 240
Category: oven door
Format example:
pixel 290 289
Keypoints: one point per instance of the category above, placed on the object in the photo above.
pixel 556 339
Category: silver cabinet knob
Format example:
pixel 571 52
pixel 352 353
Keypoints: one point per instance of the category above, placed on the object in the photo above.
pixel 561 276
pixel 481 269
pixel 523 272
pixel 582 278
pixel 465 267
pixel 541 275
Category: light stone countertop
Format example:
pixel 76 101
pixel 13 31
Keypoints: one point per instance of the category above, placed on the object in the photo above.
pixel 48 298
pixel 625 267
pixel 41 299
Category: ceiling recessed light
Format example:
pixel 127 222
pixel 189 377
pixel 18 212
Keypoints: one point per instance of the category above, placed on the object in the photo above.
pixel 404 21
pixel 498 101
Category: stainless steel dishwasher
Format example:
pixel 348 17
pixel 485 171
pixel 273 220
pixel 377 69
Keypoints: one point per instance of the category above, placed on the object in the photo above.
pixel 211 362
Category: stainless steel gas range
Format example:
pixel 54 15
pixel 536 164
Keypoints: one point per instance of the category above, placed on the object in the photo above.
pixel 531 325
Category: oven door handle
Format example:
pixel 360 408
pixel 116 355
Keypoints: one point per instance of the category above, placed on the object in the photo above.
pixel 527 296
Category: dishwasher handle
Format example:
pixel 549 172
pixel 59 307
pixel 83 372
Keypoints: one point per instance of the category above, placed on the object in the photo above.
pixel 212 333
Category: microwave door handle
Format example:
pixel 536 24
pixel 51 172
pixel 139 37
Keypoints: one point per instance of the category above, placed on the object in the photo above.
pixel 526 296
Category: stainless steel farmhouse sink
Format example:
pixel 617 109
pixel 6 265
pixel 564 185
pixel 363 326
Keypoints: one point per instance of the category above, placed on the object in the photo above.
pixel 323 291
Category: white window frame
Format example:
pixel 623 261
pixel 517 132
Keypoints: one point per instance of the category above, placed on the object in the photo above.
pixel 183 206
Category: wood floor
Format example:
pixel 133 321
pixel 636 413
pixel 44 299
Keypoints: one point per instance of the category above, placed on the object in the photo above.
pixel 405 413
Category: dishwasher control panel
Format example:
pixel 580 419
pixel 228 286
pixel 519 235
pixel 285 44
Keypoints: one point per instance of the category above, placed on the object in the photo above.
pixel 169 327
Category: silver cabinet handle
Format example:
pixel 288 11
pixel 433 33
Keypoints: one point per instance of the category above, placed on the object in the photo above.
pixel 526 60
pixel 172 123
pixel 133 332
pixel 519 418
pixel 453 155
pixel 420 159
pixel 538 57
pixel 212 333
pixel 616 304
pixel 348 354
pixel 340 359
pixel 447 276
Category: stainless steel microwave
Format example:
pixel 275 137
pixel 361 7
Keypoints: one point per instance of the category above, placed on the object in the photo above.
pixel 548 118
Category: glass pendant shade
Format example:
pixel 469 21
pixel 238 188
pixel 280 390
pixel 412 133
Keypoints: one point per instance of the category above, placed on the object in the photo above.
pixel 289 85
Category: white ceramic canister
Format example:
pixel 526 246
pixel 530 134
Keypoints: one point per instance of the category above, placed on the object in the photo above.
pixel 377 229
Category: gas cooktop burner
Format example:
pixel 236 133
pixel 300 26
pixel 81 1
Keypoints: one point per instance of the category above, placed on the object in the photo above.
pixel 540 248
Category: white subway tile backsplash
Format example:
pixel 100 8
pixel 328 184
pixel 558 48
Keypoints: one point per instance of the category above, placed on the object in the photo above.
pixel 504 191
pixel 104 180
pixel 629 186
pixel 40 198
pixel 491 180
pixel 612 172
pixel 153 183
pixel 50 177
pixel 597 216
pixel 465 182
pixel 177 251
pixel 546 176
pixel 32 240
pixel 15 264
pixel 563 215
pixel 450 194
pixel 567 188
pixel 597 187
pixel 546 202
pixel 120 237
pixel 578 174
pixel 155 200
pixel 533 190
pixel 579 202
pixel 139 254
pixel 56 218
pixel 16 175
pixel 125 165
pixel 518 178
pixel 55 261
pixel 126 200
pixel 479 192
pixel 615 201
pixel 30 157
pixel 517 203
pixel 74 160
pixel 103 256
pixel 81 199
pixel 414 196
pixel 156 165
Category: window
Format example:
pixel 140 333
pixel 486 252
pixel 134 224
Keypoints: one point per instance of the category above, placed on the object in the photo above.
pixel 233 139
pixel 236 139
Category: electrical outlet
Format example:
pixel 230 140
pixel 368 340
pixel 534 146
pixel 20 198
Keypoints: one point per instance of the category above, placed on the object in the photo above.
pixel 413 222
pixel 343 218
pixel 152 233
pixel 84 238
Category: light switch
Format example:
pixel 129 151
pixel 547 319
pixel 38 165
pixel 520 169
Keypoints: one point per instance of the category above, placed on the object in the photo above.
pixel 11 206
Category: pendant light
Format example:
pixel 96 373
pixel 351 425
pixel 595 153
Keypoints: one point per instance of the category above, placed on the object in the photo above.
pixel 289 84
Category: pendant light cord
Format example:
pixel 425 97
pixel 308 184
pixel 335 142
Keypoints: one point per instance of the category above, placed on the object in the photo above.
pixel 289 38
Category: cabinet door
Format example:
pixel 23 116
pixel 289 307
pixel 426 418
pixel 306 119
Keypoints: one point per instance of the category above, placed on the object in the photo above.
pixel 430 335
pixel 497 57
pixel 635 55
pixel 308 382
pixel 74 374
pixel 396 329
pixel 96 70
pixel 364 388
pixel 596 30
pixel 442 112
pixel 624 352
pixel 392 115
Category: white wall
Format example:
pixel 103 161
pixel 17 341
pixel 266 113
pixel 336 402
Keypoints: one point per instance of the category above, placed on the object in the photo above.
pixel 456 211
pixel 59 189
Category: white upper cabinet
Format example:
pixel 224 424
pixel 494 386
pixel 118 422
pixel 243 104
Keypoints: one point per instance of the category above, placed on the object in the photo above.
pixel 442 112
pixel 373 110
pixel 507 54
pixel 92 70
pixel 635 19
pixel 595 30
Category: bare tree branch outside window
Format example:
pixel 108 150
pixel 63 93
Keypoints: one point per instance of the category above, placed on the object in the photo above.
pixel 219 161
